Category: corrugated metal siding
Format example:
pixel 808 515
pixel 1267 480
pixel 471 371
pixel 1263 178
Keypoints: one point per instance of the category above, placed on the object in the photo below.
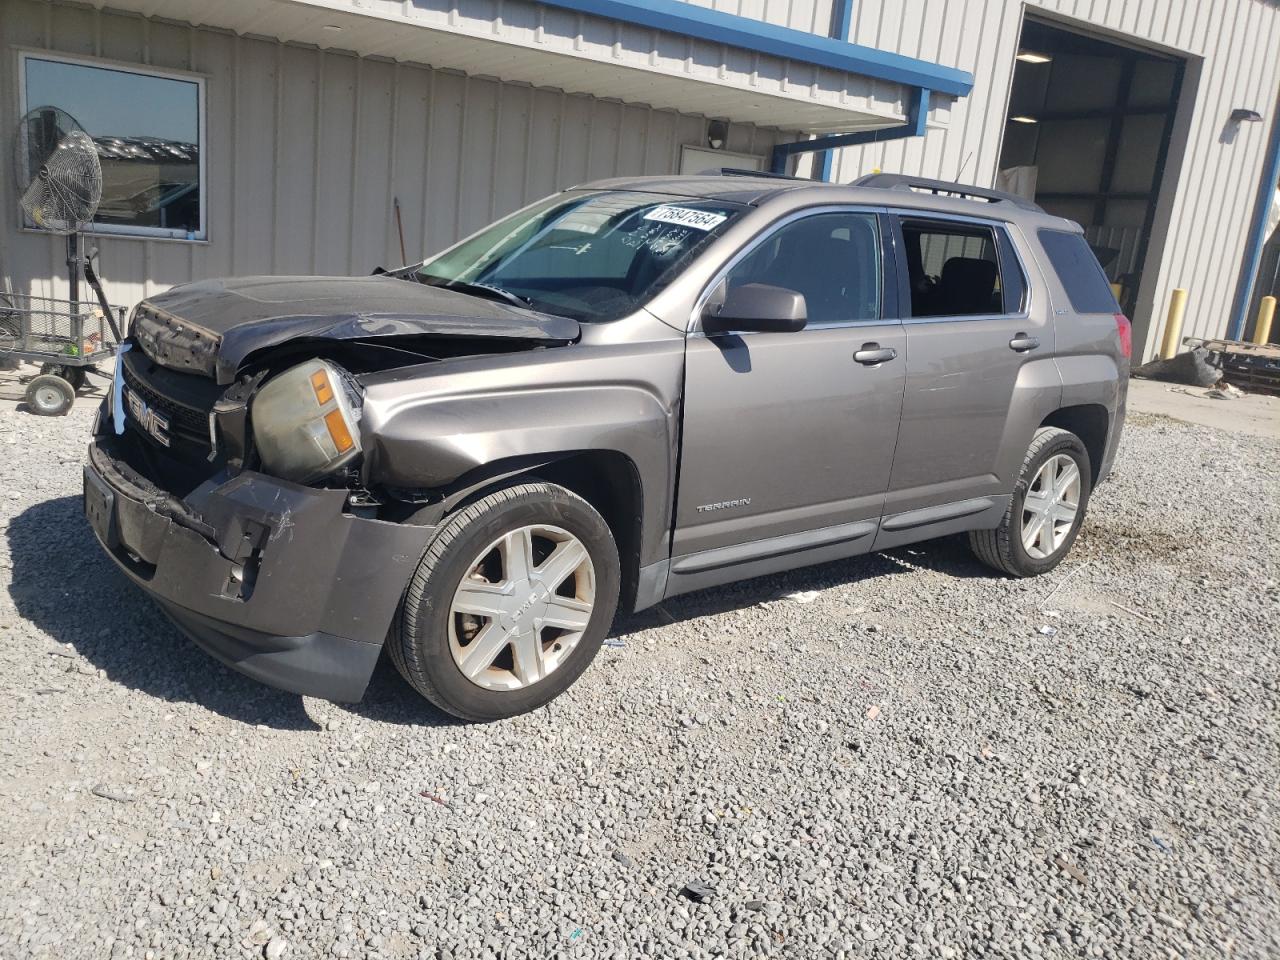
pixel 811 16
pixel 525 41
pixel 1217 185
pixel 307 151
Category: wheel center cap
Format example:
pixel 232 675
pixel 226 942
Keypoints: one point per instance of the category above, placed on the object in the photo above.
pixel 530 599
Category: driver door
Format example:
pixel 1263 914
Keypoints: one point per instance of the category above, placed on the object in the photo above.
pixel 788 438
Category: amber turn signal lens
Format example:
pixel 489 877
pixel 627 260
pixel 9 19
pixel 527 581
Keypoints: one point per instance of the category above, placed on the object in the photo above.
pixel 338 431
pixel 320 384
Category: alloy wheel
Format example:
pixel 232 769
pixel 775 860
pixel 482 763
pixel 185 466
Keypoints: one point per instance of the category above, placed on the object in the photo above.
pixel 522 607
pixel 1050 506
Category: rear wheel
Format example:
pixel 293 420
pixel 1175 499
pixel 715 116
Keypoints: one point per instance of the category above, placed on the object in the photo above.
pixel 1046 510
pixel 48 395
pixel 510 603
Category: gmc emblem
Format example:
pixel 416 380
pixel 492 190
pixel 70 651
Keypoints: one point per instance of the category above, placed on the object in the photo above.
pixel 156 424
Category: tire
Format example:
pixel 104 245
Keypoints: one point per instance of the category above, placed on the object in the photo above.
pixel 48 395
pixel 426 642
pixel 1004 548
pixel 75 376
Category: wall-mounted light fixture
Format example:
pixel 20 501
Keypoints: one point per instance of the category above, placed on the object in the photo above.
pixel 717 133
pixel 1022 119
pixel 1244 115
pixel 1030 56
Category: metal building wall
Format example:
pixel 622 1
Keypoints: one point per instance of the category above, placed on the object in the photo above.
pixel 1232 47
pixel 306 151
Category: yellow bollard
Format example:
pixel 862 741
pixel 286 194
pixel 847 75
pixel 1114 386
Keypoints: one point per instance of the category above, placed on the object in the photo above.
pixel 1262 328
pixel 1173 324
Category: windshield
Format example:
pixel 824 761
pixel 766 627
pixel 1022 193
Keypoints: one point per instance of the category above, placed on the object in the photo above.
pixel 592 256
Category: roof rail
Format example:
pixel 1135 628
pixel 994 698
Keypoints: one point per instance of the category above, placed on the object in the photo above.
pixel 900 181
pixel 736 172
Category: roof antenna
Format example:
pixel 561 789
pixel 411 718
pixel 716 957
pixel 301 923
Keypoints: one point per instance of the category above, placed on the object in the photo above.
pixel 960 173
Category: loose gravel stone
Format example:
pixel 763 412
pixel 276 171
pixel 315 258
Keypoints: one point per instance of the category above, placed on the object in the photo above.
pixel 903 764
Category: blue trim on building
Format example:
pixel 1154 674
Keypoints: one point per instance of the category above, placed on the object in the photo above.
pixel 917 119
pixel 1258 233
pixel 841 19
pixel 714 26
pixel 824 167
pixel 841 24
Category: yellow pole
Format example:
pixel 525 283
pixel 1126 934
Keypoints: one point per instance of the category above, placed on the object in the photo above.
pixel 1266 313
pixel 1173 324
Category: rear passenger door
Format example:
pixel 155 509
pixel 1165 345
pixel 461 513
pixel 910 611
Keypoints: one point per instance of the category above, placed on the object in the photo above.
pixel 976 340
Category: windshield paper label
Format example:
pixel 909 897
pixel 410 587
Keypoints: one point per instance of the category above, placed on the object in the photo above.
pixel 686 217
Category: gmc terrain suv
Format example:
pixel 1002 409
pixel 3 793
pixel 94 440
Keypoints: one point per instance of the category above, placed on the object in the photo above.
pixel 627 391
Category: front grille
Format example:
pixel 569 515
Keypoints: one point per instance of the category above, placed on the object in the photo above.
pixel 183 400
pixel 174 343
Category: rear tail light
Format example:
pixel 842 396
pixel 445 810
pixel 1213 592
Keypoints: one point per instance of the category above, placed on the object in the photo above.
pixel 1125 330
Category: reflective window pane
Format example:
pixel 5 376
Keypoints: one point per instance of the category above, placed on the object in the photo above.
pixel 831 258
pixel 147 131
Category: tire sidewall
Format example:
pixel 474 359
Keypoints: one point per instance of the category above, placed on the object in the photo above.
pixel 431 617
pixel 56 383
pixel 1069 444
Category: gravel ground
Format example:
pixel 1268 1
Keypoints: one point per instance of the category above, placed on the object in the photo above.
pixel 921 760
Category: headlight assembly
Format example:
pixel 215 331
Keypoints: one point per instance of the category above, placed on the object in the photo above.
pixel 306 421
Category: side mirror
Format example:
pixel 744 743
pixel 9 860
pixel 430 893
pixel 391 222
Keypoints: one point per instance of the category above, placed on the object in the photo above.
pixel 755 308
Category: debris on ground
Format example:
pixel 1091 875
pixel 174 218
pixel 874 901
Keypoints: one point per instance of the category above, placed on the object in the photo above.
pixel 803 596
pixel 1070 869
pixel 437 799
pixel 623 859
pixel 1131 611
pixel 1192 368
pixel 873 711
pixel 107 793
pixel 615 642
pixel 1047 631
pixel 697 891
pixel 1224 391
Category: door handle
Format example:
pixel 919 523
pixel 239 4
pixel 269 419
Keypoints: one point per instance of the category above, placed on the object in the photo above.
pixel 1022 343
pixel 872 354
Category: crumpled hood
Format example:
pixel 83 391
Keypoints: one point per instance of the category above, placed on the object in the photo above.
pixel 211 326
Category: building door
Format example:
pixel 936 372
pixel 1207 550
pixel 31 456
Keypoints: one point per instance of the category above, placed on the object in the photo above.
pixel 787 433
pixel 1087 136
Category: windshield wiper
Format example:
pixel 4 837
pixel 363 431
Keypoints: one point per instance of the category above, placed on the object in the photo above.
pixel 486 290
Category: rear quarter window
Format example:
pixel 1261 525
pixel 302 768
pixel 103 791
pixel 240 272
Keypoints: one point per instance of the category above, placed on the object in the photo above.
pixel 1079 271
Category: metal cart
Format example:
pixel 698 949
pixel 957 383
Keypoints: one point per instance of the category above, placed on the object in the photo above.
pixel 67 338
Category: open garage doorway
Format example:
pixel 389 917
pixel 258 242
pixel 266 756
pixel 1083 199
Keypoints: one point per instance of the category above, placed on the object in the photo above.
pixel 1087 136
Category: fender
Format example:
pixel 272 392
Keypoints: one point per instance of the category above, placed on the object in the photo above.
pixel 1098 380
pixel 427 426
pixel 1036 393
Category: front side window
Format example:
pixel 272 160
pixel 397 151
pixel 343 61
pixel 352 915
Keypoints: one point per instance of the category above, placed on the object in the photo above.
pixel 147 129
pixel 593 256
pixel 955 269
pixel 831 258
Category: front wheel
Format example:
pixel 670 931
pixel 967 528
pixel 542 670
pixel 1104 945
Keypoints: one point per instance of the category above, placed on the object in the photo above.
pixel 510 603
pixel 1046 510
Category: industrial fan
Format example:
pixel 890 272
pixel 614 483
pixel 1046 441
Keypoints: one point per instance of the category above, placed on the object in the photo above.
pixel 59 181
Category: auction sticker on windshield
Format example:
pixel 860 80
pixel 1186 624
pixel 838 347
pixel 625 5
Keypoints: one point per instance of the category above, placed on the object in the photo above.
pixel 686 217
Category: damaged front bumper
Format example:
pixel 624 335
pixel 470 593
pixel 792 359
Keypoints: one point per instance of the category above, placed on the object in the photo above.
pixel 274 579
